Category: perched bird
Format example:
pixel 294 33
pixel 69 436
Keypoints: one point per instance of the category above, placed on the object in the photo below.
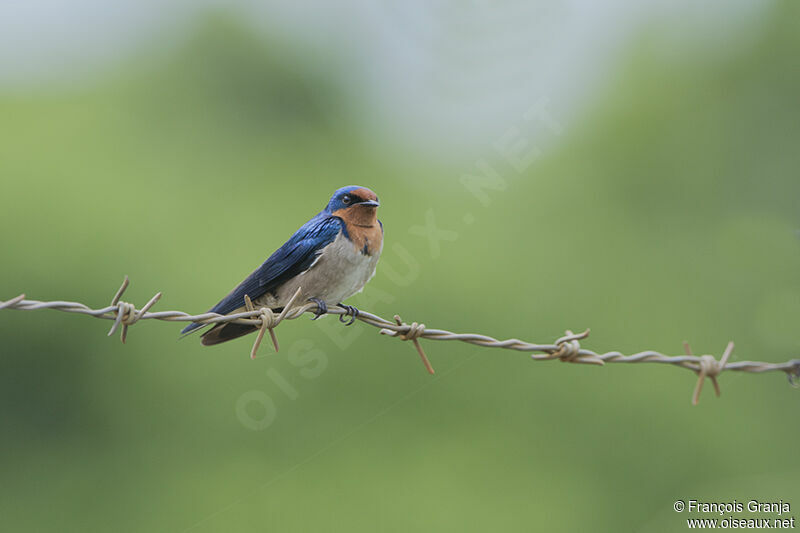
pixel 331 257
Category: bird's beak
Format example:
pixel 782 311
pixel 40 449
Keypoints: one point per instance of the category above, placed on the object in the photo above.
pixel 370 203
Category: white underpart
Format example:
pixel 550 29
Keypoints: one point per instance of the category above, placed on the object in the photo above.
pixel 339 272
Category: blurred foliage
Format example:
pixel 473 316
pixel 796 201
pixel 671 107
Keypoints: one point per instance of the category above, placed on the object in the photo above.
pixel 669 212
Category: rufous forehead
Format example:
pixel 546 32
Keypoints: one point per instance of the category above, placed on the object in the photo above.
pixel 365 193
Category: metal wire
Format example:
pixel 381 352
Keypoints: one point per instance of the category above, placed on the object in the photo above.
pixel 566 348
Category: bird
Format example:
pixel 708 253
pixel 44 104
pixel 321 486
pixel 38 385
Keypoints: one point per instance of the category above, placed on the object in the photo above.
pixel 330 258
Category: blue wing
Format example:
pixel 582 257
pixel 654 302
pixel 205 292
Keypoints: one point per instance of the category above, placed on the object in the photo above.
pixel 291 259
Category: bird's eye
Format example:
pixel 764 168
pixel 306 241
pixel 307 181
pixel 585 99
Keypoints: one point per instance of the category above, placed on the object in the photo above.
pixel 346 199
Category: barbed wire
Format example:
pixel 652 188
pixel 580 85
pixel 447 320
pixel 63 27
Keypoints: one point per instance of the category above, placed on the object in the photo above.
pixel 566 348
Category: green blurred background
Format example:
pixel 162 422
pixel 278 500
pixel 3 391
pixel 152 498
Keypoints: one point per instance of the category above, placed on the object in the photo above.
pixel 665 208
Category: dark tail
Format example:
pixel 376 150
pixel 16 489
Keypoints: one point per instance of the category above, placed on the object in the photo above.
pixel 225 332
pixel 191 327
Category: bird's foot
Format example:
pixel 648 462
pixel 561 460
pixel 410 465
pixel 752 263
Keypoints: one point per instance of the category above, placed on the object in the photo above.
pixel 322 307
pixel 349 311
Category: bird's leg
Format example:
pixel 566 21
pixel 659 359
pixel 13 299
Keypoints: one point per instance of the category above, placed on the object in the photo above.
pixel 350 311
pixel 322 307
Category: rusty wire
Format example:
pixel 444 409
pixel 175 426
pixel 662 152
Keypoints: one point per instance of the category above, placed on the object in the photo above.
pixel 566 348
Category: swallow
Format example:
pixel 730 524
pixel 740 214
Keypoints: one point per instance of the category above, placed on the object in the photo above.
pixel 330 258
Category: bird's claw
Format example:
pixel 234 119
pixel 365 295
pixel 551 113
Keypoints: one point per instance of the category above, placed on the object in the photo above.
pixel 322 307
pixel 349 311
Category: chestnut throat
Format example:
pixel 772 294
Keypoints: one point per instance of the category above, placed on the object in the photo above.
pixel 361 216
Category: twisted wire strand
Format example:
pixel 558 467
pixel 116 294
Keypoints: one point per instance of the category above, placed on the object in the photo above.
pixel 565 349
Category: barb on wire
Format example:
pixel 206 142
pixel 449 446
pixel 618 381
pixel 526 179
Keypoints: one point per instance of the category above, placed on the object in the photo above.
pixel 269 321
pixel 566 349
pixel 413 334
